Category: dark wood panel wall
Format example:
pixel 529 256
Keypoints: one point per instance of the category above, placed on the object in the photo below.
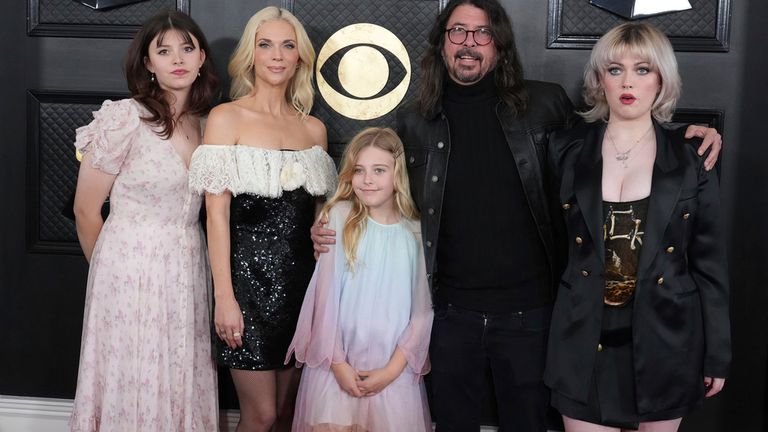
pixel 41 294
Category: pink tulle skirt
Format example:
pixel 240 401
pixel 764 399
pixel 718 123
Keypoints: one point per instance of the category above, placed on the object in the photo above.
pixel 322 406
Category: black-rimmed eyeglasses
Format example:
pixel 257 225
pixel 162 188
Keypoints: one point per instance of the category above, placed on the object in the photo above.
pixel 458 35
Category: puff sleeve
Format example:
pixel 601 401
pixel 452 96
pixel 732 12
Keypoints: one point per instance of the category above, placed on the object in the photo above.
pixel 107 139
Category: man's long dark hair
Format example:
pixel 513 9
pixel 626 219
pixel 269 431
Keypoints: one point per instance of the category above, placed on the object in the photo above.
pixel 204 91
pixel 508 71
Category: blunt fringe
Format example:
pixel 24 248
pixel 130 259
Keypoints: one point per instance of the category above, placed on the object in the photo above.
pixel 205 90
pixel 508 72
pixel 300 93
pixel 644 41
pixel 385 139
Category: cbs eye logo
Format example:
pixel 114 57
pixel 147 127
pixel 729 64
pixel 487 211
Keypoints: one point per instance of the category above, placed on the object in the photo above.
pixel 369 60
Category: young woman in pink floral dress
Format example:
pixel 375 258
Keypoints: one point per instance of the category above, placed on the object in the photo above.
pixel 145 360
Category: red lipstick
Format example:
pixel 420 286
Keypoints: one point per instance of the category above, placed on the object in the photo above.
pixel 627 98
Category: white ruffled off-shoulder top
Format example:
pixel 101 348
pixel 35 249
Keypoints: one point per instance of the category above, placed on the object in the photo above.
pixel 242 169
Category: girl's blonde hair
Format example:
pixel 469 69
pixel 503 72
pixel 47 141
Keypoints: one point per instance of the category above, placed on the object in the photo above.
pixel 300 92
pixel 385 139
pixel 646 42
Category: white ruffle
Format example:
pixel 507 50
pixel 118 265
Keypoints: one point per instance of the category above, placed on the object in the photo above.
pixel 263 172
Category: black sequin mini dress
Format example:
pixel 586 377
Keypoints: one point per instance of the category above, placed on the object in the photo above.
pixel 274 194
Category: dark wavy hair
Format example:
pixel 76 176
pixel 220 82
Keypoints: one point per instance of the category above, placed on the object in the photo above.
pixel 205 90
pixel 508 71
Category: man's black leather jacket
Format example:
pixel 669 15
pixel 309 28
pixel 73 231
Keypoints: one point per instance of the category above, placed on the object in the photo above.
pixel 428 148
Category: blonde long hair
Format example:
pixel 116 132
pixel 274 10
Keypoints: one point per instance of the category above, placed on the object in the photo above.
pixel 300 93
pixel 385 139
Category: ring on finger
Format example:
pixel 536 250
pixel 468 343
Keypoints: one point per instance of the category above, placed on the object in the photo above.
pixel 236 334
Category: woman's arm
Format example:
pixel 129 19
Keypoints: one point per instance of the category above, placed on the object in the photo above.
pixel 221 129
pixel 93 188
pixel 227 316
pixel 707 266
pixel 321 235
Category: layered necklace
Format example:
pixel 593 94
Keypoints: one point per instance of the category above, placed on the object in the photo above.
pixel 623 156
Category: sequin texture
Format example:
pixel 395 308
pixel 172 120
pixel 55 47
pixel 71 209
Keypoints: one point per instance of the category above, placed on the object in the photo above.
pixel 272 262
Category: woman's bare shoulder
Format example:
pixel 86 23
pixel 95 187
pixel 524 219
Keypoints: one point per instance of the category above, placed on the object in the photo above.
pixel 317 131
pixel 223 124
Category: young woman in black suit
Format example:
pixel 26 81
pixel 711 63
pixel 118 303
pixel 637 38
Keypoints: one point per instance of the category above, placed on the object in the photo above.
pixel 640 331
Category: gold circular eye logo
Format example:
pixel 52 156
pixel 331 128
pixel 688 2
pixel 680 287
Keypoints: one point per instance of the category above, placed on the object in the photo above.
pixel 363 71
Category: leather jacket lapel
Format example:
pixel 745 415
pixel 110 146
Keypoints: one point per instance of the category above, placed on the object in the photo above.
pixel 516 132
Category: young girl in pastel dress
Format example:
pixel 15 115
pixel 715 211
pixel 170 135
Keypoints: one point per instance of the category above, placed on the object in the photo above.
pixel 364 326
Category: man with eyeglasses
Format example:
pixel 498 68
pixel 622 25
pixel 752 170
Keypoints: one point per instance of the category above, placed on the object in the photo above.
pixel 475 146
pixel 475 149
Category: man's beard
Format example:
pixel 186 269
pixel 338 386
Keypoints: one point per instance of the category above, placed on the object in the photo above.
pixel 463 74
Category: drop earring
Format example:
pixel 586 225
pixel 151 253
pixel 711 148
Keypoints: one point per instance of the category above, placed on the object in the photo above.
pixel 152 77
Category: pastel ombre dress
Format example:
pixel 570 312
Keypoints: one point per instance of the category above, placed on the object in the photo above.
pixel 145 359
pixel 361 317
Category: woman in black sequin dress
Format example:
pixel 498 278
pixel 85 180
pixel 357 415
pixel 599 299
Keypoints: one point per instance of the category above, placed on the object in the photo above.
pixel 640 330
pixel 263 169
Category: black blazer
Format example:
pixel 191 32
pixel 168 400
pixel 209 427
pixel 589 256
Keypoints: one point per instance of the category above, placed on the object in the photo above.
pixel 681 325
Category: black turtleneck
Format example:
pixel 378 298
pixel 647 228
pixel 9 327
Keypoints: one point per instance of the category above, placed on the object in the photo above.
pixel 490 257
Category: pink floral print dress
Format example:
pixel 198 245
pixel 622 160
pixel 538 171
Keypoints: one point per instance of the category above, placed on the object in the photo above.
pixel 145 359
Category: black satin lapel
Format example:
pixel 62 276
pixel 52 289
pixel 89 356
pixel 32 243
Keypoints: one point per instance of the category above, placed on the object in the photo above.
pixel 588 187
pixel 665 191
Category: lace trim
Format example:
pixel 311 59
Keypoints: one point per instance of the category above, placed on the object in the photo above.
pixel 262 172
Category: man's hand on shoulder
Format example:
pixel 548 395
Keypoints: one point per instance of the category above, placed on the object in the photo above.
pixel 322 236
pixel 710 139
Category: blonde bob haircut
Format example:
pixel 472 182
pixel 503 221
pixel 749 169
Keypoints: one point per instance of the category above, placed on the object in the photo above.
pixel 300 92
pixel 385 139
pixel 644 41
